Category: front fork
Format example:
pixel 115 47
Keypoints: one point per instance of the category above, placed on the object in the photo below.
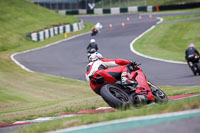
pixel 152 87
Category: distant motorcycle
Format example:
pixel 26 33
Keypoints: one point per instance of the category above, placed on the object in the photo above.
pixel 96 29
pixel 194 63
pixel 118 96
pixel 94 32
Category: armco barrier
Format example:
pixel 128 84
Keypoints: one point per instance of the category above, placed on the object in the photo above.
pixel 179 6
pixel 118 10
pixel 55 30
pixel 115 10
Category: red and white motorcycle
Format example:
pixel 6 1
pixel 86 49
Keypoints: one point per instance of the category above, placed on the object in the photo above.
pixel 118 96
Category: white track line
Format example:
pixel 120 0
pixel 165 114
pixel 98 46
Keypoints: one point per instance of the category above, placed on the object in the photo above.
pixel 127 120
pixel 153 58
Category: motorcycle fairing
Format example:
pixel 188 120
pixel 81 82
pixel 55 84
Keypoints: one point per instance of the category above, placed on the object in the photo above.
pixel 143 88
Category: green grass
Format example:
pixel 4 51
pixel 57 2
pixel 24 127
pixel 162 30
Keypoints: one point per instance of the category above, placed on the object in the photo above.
pixel 19 18
pixel 169 41
pixel 179 90
pixel 25 95
pixel 172 106
pixel 174 18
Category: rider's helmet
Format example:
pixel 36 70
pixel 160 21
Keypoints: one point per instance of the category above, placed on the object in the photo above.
pixel 95 56
pixel 191 45
pixel 94 28
pixel 92 40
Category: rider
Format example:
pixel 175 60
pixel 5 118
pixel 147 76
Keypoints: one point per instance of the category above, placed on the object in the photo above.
pixel 191 52
pixel 94 29
pixel 92 47
pixel 98 66
pixel 97 28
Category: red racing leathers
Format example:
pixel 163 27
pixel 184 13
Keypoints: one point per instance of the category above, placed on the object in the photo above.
pixel 101 67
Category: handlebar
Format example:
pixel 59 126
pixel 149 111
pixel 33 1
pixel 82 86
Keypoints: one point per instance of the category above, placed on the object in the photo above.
pixel 133 66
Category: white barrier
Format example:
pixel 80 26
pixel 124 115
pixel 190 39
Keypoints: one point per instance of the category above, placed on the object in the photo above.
pixel 46 33
pixel 98 11
pixel 82 11
pixel 133 9
pixel 115 10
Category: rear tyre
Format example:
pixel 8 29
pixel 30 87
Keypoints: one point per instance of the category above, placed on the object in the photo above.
pixel 94 33
pixel 115 96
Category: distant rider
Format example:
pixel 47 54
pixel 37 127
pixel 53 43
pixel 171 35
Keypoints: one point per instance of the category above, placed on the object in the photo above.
pixel 192 56
pixel 92 47
pixel 94 31
pixel 99 65
pixel 96 28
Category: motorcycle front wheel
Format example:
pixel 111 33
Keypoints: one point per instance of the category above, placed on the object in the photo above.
pixel 115 96
pixel 159 95
pixel 198 68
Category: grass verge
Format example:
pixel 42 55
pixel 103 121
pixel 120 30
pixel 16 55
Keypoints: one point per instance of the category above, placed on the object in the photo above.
pixel 169 41
pixel 172 106
pixel 25 95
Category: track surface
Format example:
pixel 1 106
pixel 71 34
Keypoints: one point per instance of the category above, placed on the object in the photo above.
pixel 177 122
pixel 68 58
pixel 188 125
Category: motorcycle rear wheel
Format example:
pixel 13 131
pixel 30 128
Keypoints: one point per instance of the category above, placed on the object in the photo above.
pixel 115 96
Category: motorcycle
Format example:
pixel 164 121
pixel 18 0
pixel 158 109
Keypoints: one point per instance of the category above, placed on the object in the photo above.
pixel 96 29
pixel 94 32
pixel 194 63
pixel 118 96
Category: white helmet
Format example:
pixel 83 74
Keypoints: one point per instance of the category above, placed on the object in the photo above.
pixel 95 56
pixel 92 40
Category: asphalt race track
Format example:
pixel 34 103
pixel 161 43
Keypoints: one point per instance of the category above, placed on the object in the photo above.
pixel 69 59
pixel 189 125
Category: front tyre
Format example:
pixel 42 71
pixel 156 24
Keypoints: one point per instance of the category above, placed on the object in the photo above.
pixel 158 94
pixel 198 68
pixel 115 96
